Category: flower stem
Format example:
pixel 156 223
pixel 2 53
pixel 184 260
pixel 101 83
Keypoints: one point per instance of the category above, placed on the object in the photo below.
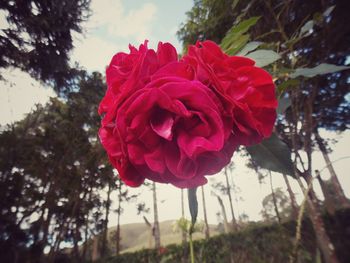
pixel 191 248
pixel 193 205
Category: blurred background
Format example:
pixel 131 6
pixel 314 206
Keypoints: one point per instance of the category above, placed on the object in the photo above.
pixel 60 199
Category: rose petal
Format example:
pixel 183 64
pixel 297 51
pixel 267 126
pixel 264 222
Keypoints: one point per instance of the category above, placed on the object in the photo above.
pixel 162 123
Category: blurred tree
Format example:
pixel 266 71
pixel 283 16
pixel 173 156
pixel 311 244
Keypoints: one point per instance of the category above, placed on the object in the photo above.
pixel 156 229
pixel 228 170
pixel 208 19
pixel 223 212
pixel 123 196
pixel 53 167
pixel 225 189
pixel 276 201
pixel 38 37
pixel 143 209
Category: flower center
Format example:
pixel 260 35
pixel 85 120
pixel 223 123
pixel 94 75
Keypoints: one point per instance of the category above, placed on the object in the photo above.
pixel 162 122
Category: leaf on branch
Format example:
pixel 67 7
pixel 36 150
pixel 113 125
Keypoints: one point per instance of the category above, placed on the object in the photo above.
pixel 251 46
pixel 264 57
pixel 287 84
pixel 272 154
pixel 237 45
pixel 193 204
pixel 306 29
pixel 236 38
pixel 283 104
pixel 328 11
pixel 321 69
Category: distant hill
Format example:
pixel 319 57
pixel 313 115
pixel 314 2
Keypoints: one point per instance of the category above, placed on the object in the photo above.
pixel 138 235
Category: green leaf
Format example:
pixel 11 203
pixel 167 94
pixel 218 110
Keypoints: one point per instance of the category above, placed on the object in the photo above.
pixel 283 104
pixel 251 46
pixel 287 84
pixel 305 30
pixel 237 45
pixel 237 31
pixel 264 57
pixel 272 154
pixel 321 69
pixel 245 25
pixel 328 11
pixel 193 204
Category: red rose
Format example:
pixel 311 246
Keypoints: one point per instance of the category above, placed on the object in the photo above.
pixel 176 121
pixel 169 131
pixel 129 72
pixel 248 92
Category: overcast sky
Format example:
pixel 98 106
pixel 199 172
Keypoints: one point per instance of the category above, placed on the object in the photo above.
pixel 113 25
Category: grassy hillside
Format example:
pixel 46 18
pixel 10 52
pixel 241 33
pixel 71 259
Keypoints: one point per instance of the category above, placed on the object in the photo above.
pixel 137 236
pixel 257 242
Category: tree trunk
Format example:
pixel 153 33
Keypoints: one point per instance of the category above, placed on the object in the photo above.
pixel 156 230
pixel 86 234
pixel 149 225
pixel 223 214
pixel 234 222
pixel 105 230
pixel 117 250
pixel 323 240
pixel 63 231
pixel 76 235
pixel 56 245
pixel 328 200
pixel 205 214
pixel 95 251
pixel 274 200
pixel 292 198
pixel 183 232
pixel 343 201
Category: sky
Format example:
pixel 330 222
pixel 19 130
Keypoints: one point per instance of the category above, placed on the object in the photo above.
pixel 113 25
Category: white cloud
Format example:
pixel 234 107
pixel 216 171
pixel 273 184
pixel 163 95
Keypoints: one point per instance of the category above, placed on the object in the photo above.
pixel 109 30
pixel 104 12
pixel 94 53
pixel 135 24
pixel 111 15
pixel 18 93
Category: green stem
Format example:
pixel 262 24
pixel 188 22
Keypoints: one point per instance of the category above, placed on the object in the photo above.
pixel 193 205
pixel 191 248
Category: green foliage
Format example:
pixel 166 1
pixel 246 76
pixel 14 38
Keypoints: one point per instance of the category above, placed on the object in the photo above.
pixel 208 19
pixel 186 225
pixel 236 38
pixel 251 46
pixel 283 104
pixel 264 57
pixel 290 83
pixel 258 243
pixel 53 168
pixel 320 69
pixel 272 154
pixel 283 206
pixel 39 37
